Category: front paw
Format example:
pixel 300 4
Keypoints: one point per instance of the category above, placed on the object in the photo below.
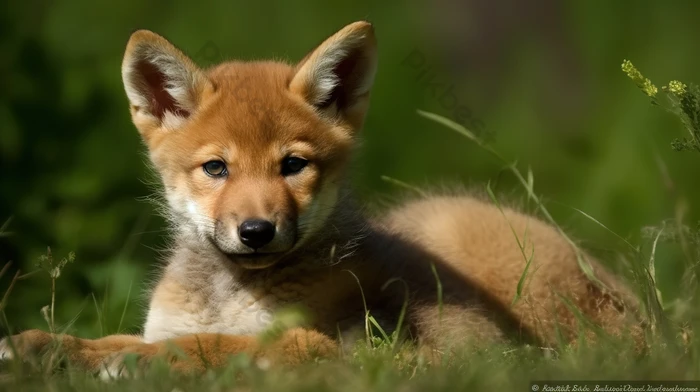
pixel 128 362
pixel 25 345
pixel 114 367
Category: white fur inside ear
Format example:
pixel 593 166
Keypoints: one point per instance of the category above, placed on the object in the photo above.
pixel 322 73
pixel 161 82
pixel 319 75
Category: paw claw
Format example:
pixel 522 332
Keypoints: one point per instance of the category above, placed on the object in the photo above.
pixel 6 353
pixel 113 368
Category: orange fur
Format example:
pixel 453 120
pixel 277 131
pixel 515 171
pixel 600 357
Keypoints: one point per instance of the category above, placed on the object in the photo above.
pixel 217 293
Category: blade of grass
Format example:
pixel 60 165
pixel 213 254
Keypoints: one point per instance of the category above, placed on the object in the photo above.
pixel 3 228
pixel 599 223
pixel 100 320
pixel 521 246
pixel 126 305
pixel 439 291
pixel 368 332
pixel 404 308
pixel 374 322
pixel 405 185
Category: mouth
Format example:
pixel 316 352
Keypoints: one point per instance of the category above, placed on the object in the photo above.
pixel 256 260
pixel 250 256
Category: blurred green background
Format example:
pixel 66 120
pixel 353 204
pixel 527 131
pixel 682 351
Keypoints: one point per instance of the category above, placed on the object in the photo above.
pixel 540 79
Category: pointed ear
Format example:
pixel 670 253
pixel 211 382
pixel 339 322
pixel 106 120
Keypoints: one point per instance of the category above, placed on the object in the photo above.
pixel 163 85
pixel 337 76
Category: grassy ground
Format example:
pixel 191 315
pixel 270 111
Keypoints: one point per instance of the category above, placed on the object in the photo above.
pixel 500 368
pixel 672 353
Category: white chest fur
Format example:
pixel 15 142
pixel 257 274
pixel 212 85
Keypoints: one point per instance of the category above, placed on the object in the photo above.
pixel 221 307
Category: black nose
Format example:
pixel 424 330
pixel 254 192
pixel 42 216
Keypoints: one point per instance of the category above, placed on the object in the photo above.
pixel 256 233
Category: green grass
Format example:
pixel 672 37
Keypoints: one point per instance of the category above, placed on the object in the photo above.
pixel 381 363
pixel 499 368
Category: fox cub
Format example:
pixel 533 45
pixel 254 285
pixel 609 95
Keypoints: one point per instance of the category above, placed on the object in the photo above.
pixel 253 157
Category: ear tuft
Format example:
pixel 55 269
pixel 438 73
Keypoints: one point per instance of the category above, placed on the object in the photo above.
pixel 160 81
pixel 339 73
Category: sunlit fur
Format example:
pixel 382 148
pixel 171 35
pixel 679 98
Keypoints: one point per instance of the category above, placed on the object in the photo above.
pixel 451 261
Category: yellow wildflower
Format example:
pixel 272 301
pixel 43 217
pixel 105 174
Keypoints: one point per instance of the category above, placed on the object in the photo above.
pixel 678 88
pixel 639 79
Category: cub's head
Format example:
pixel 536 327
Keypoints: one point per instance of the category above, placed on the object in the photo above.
pixel 251 154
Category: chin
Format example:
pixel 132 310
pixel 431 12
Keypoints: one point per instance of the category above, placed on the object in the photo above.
pixel 254 261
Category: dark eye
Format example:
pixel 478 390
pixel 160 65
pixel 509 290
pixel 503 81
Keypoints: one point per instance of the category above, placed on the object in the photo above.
pixel 293 165
pixel 215 168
